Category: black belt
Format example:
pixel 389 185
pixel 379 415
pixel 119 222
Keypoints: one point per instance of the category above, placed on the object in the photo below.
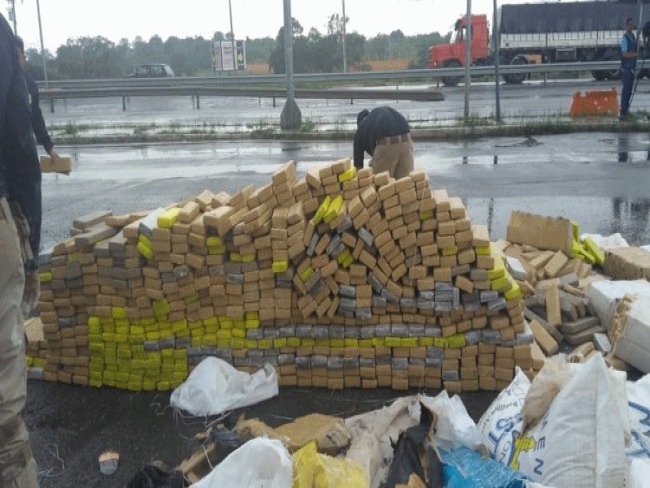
pixel 387 141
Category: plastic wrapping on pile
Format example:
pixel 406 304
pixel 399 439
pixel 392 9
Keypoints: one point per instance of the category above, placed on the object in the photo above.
pixel 638 451
pixel 214 387
pixel 606 242
pixel 465 468
pixel 407 460
pixel 315 470
pixel 579 442
pixel 375 433
pixel 260 463
pixel 454 428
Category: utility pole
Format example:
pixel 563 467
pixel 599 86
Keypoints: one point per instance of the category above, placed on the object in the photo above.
pixel 468 58
pixel 40 32
pixel 12 10
pixel 495 36
pixel 290 118
pixel 232 40
pixel 345 60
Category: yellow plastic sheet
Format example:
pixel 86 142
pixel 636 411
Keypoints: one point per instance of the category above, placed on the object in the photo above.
pixel 314 470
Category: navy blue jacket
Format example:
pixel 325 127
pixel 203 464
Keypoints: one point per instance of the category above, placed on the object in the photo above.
pixel 379 123
pixel 20 170
pixel 38 123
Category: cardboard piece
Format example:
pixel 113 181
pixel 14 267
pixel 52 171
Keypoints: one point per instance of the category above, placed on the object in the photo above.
pixel 329 433
pixel 630 332
pixel 552 233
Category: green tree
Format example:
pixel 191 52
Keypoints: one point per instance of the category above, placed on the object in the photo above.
pixel 355 47
pixel 35 64
pixel 276 59
pixel 259 50
pixel 87 57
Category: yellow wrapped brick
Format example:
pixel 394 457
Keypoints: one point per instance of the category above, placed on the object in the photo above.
pixel 594 250
pixel 238 343
pixel 211 241
pixel 392 341
pixel 498 271
pixel 322 210
pixel 501 284
pixel 280 266
pixel 209 340
pixel 252 323
pixel 514 293
pixel 217 249
pixel 265 343
pixel 450 251
pixel 333 209
pixel 348 174
pixel 483 250
pixel 441 342
pixel 168 218
pixel 456 341
pixel 306 274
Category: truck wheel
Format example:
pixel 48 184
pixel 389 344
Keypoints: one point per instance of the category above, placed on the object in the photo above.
pixel 451 80
pixel 516 78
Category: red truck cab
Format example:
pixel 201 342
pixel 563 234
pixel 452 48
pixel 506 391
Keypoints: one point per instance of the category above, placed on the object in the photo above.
pixel 453 55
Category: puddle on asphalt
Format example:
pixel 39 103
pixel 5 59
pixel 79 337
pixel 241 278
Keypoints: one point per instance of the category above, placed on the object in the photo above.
pixel 527 142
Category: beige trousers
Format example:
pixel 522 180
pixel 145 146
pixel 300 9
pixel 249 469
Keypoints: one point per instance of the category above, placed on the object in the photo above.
pixel 396 158
pixel 17 467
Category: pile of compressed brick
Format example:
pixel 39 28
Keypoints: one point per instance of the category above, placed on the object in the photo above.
pixel 339 279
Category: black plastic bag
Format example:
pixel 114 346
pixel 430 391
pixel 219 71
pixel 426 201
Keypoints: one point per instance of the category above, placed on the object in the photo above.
pixel 406 458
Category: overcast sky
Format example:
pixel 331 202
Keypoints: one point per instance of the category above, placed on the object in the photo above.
pixel 117 19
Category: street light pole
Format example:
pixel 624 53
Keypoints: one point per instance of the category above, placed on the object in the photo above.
pixel 232 39
pixel 13 15
pixel 40 33
pixel 468 58
pixel 496 40
pixel 345 60
pixel 291 117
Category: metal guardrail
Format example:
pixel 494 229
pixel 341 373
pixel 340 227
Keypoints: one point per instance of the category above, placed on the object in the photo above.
pixel 337 78
pixel 273 86
pixel 219 91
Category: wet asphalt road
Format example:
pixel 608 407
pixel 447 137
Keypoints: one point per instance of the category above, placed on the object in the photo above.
pixel 598 179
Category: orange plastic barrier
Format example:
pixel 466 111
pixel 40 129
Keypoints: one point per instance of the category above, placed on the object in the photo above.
pixel 603 102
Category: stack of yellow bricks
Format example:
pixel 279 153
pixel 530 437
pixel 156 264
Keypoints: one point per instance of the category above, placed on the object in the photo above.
pixel 338 279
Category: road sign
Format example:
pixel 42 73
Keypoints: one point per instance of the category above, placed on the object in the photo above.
pixel 223 58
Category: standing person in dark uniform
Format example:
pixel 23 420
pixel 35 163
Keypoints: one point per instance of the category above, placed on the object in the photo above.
pixel 17 148
pixel 38 123
pixel 629 54
pixel 384 133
